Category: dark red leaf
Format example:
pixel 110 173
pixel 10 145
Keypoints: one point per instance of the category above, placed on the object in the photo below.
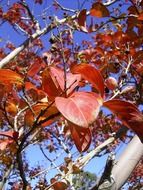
pixel 82 20
pixel 81 137
pixel 91 74
pixel 128 114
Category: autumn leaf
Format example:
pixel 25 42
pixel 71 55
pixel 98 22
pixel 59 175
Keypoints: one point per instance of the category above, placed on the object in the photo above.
pixel 81 108
pixel 99 10
pixel 81 137
pixel 11 108
pixel 128 113
pixel 34 69
pixel 82 20
pixel 10 135
pixel 72 80
pixel 92 75
pixel 8 77
pixel 48 84
pixel 36 110
pixel 58 185
pixel 53 82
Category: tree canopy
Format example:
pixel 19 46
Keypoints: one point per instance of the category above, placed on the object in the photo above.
pixel 71 83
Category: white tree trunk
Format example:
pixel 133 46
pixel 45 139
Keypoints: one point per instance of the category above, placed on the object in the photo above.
pixel 127 162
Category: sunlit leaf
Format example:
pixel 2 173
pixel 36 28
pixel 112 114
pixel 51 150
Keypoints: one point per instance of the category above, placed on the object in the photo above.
pixel 128 114
pixel 91 74
pixel 11 108
pixel 10 77
pixel 99 10
pixel 9 137
pixel 81 137
pixel 81 108
pixel 5 143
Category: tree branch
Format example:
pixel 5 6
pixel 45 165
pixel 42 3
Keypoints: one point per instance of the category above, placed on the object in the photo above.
pixel 5 177
pixel 124 165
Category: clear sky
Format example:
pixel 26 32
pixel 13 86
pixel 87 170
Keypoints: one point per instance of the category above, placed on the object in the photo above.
pixel 7 33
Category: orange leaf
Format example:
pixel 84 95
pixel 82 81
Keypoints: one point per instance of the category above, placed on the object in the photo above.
pixel 81 108
pixel 140 17
pixel 29 116
pixel 99 10
pixel 91 74
pixel 81 137
pixel 11 108
pixel 128 114
pixel 8 77
pixel 58 185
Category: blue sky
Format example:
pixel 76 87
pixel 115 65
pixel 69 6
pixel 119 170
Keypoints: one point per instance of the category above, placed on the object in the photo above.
pixel 7 33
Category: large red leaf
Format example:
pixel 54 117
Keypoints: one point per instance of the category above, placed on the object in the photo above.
pixel 128 114
pixel 81 137
pixel 91 74
pixel 81 108
pixel 99 10
pixel 8 77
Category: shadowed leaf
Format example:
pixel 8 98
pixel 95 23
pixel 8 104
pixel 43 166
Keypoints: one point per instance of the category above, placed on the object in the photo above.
pixel 128 114
pixel 99 10
pixel 91 74
pixel 81 137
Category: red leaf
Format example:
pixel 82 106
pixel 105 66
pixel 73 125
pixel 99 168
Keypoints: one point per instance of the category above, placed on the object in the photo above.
pixel 53 81
pixel 128 114
pixel 10 133
pixel 72 80
pixel 91 74
pixel 82 20
pixel 48 84
pixel 81 136
pixel 34 69
pixel 58 185
pixel 81 108
pixel 99 10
